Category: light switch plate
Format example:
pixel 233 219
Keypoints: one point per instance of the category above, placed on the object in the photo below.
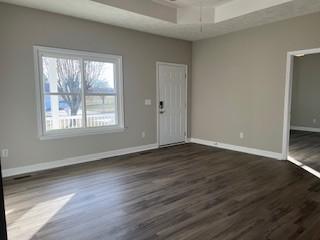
pixel 147 102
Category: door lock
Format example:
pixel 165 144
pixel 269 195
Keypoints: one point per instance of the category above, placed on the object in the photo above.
pixel 161 107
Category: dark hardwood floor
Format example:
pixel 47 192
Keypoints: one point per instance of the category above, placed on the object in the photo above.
pixel 178 193
pixel 305 148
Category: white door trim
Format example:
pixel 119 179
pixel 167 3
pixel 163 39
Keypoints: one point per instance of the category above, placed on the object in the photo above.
pixel 288 94
pixel 158 99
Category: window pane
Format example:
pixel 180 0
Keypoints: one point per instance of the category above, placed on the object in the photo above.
pixel 61 75
pixel 99 77
pixel 101 111
pixel 63 112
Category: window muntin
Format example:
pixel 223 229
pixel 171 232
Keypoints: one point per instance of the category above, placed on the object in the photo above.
pixel 79 91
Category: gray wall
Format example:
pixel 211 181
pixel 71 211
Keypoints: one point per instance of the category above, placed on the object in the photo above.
pixel 238 82
pixel 306 92
pixel 21 28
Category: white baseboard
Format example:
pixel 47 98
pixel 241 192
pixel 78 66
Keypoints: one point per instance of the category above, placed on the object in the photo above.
pixel 307 129
pixel 74 160
pixel 253 151
pixel 99 156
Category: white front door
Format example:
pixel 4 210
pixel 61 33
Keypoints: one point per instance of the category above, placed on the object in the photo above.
pixel 172 103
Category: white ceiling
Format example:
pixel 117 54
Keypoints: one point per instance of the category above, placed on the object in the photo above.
pixel 124 17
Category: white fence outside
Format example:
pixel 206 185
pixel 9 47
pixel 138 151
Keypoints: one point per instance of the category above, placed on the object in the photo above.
pixel 76 121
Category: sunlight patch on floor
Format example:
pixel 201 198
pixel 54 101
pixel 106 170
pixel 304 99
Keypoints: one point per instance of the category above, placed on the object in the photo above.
pixel 37 217
pixel 9 211
pixel 309 169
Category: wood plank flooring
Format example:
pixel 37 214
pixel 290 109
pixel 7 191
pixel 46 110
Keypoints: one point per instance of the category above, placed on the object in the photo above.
pixel 305 148
pixel 184 192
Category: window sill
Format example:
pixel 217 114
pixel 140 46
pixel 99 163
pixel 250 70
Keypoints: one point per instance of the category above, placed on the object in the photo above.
pixel 80 132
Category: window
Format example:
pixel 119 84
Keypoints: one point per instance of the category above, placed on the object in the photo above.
pixel 78 92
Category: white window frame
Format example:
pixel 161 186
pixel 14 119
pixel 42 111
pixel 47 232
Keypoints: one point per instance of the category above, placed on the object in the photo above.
pixel 39 52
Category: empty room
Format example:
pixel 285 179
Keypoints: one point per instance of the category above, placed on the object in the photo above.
pixel 305 131
pixel 159 119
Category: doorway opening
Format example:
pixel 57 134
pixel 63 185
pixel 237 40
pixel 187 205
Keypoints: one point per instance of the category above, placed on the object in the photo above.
pixel 301 132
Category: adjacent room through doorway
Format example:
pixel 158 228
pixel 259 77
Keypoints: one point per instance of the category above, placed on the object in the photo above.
pixel 304 144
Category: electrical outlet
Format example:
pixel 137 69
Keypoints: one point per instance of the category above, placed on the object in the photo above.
pixel 4 153
pixel 241 135
pixel 143 134
pixel 314 120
